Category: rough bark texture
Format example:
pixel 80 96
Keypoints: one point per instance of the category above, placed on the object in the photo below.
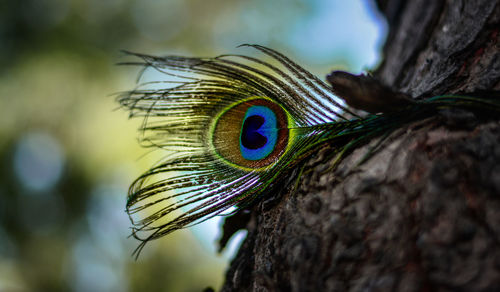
pixel 424 212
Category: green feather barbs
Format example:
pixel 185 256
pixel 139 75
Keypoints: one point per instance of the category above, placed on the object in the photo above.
pixel 232 126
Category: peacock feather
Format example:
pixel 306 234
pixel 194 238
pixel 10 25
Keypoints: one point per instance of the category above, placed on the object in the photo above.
pixel 233 125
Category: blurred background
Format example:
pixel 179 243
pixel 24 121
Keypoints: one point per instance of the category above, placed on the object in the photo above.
pixel 68 154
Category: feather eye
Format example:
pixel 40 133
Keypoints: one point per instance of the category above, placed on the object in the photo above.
pixel 252 133
pixel 231 125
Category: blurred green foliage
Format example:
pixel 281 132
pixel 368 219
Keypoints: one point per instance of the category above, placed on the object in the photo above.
pixel 67 155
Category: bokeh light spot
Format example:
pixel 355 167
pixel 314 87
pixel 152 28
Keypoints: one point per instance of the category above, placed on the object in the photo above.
pixel 38 161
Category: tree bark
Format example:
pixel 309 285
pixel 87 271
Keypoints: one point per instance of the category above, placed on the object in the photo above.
pixel 423 213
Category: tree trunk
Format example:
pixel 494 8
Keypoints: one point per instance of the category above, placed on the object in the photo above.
pixel 424 212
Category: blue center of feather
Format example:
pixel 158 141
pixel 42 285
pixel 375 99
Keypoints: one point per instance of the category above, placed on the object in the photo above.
pixel 258 133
